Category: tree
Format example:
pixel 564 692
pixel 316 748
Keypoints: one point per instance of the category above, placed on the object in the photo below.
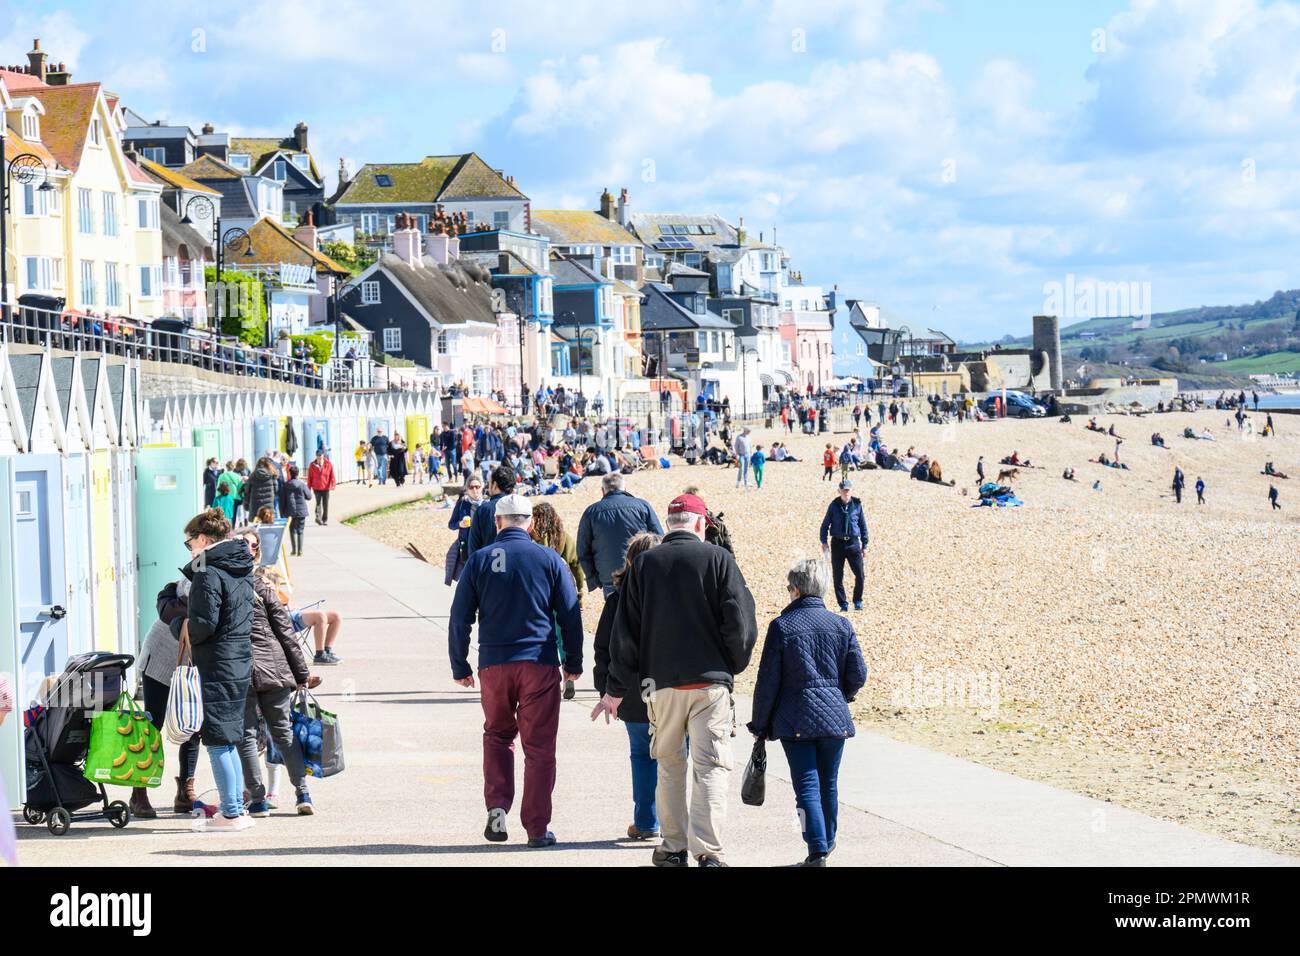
pixel 242 304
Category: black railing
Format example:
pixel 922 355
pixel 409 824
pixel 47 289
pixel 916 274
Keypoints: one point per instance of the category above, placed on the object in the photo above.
pixel 132 339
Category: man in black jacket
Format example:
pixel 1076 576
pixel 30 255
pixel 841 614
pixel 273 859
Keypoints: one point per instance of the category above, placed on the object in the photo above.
pixel 684 628
pixel 606 528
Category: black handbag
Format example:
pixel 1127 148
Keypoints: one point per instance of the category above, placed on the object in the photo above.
pixel 753 788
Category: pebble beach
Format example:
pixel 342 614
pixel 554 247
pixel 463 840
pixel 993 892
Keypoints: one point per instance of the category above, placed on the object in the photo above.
pixel 1107 641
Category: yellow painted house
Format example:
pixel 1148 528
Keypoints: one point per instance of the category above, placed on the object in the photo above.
pixel 95 239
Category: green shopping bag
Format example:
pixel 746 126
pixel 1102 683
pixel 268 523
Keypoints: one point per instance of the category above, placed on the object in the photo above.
pixel 125 748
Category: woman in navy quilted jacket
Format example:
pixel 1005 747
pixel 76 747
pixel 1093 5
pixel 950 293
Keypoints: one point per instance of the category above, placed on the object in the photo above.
pixel 811 669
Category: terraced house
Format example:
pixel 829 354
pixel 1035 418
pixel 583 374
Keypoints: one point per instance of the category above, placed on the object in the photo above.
pixel 94 238
pixel 372 199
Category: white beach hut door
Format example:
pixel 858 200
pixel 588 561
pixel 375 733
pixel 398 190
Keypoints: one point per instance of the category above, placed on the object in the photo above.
pixel 36 514
pixel 80 620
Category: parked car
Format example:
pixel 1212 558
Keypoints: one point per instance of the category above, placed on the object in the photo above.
pixel 1019 405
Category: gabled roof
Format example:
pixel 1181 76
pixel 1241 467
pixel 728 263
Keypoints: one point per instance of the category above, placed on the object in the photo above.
pixel 15 146
pixel 490 259
pixel 659 313
pixel 25 371
pixel 569 272
pixel 453 294
pixel 433 179
pixel 62 371
pixel 66 123
pixel 174 178
pixel 263 149
pixel 138 175
pixel 581 227
pixel 273 244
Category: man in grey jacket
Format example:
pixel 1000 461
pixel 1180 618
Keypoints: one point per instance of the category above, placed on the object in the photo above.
pixel 606 528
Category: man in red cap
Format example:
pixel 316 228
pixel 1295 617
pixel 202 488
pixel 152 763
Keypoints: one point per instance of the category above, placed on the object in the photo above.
pixel 684 628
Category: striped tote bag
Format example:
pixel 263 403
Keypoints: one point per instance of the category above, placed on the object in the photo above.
pixel 184 700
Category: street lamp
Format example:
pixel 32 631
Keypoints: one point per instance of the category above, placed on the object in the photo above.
pixel 24 169
pixel 745 350
pixel 203 210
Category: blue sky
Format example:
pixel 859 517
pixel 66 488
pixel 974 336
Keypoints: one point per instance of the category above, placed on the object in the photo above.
pixel 947 160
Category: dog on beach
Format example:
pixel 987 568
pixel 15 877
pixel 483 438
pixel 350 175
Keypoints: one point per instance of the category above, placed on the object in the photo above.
pixel 1008 474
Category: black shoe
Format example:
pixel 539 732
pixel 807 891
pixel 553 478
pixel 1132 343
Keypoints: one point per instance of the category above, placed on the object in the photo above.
pixel 815 860
pixel 495 831
pixel 545 840
pixel 710 861
pixel 667 858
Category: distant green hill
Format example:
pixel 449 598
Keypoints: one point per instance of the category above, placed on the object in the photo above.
pixel 1263 337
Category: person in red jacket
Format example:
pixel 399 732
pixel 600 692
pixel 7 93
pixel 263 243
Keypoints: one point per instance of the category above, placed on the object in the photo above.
pixel 828 462
pixel 320 479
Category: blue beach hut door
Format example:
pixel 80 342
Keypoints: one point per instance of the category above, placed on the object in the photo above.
pixel 41 582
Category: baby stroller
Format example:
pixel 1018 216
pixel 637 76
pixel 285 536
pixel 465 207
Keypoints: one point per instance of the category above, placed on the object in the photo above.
pixel 58 737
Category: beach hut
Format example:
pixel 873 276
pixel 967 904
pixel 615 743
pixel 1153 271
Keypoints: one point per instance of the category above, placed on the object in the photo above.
pixel 124 539
pixel 168 493
pixel 66 373
pixel 103 428
pixel 39 401
pixel 13 432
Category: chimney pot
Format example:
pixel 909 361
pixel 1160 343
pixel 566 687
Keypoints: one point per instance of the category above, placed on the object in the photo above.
pixel 300 136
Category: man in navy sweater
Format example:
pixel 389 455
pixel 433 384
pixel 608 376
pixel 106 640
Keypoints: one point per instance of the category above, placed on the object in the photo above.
pixel 845 525
pixel 519 591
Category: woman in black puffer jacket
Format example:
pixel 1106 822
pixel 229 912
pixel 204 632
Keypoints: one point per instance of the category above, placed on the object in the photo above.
pixel 262 488
pixel 279 669
pixel 218 628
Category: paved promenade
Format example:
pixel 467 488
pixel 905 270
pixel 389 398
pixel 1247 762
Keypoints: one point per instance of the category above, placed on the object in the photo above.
pixel 412 791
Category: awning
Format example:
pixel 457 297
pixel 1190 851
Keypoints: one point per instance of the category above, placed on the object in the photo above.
pixel 766 379
pixel 483 406
pixel 786 376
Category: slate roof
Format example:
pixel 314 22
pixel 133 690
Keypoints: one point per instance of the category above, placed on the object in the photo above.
pixel 431 180
pixel 490 259
pixel 453 294
pixel 174 178
pixel 659 313
pixel 581 227
pixel 61 370
pixel 25 370
pixel 273 244
pixel 649 229
pixel 262 148
pixel 208 167
pixel 568 272
pixel 66 123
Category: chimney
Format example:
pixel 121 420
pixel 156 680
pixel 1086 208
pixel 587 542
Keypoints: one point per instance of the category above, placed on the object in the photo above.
pixel 623 203
pixel 59 76
pixel 607 205
pixel 37 60
pixel 207 129
pixel 503 263
pixel 306 231
pixel 740 232
pixel 300 136
pixel 407 244
pixel 345 177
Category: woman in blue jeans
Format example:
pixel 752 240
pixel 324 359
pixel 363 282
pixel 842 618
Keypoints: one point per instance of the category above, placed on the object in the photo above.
pixel 810 670
pixel 645 770
pixel 219 629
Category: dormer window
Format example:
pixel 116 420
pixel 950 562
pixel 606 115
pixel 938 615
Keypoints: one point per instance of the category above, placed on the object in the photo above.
pixel 383 179
pixel 240 161
pixel 31 127
pixel 302 161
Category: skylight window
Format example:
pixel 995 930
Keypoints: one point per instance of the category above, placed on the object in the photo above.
pixel 383 179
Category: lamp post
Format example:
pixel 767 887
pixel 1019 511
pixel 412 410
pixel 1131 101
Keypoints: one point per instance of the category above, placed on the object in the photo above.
pixel 24 169
pixel 204 209
pixel 745 350
pixel 595 340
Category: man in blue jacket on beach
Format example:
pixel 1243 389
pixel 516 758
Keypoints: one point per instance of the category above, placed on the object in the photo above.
pixel 845 525
pixel 520 592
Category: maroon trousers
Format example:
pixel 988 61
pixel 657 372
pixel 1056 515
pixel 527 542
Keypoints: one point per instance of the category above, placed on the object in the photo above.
pixel 520 698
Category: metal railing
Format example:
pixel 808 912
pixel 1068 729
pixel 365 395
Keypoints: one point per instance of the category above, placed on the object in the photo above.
pixel 133 339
